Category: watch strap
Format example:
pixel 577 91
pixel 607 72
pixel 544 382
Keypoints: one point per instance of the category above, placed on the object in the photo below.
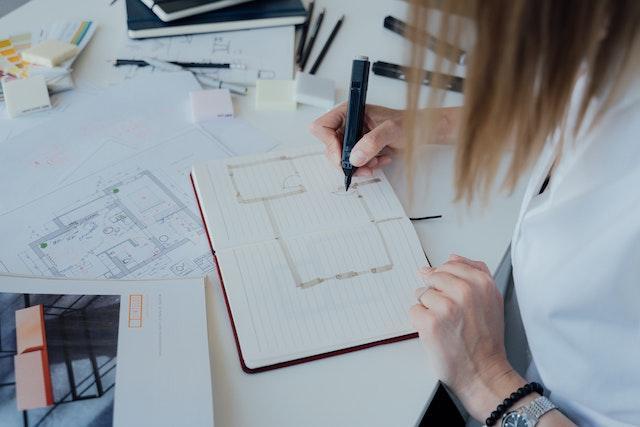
pixel 538 407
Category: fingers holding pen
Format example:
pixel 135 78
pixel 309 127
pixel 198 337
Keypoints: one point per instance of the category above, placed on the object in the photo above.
pixel 383 127
pixel 372 143
pixel 328 128
pixel 375 163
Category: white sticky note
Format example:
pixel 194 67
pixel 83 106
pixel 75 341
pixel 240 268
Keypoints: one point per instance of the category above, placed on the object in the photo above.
pixel 275 95
pixel 210 104
pixel 49 53
pixel 23 96
pixel 314 90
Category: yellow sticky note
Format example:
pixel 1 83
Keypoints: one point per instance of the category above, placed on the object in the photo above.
pixel 50 53
pixel 275 95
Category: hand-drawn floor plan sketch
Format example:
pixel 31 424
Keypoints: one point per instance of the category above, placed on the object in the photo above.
pixel 315 268
pixel 290 184
pixel 240 48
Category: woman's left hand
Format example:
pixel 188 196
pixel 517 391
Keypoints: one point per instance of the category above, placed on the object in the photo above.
pixel 460 320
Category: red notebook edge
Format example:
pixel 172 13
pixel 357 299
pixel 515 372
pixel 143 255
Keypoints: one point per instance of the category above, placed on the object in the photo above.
pixel 293 362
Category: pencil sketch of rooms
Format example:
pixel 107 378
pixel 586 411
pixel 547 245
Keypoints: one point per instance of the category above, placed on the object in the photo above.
pixel 290 186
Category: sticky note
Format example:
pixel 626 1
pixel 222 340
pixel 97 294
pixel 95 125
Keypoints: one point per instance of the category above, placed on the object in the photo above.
pixel 314 90
pixel 210 104
pixel 275 95
pixel 50 53
pixel 23 96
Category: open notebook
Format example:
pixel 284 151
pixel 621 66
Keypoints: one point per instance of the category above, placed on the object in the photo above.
pixel 308 270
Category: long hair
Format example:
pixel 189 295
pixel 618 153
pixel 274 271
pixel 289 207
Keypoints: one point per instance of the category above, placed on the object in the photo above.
pixel 525 59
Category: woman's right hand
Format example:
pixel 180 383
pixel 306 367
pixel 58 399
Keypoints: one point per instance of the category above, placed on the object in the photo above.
pixel 383 133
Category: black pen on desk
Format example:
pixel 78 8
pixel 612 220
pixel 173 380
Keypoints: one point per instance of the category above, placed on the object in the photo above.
pixel 355 114
pixel 451 52
pixel 326 46
pixel 312 40
pixel 303 34
pixel 143 63
pixel 428 78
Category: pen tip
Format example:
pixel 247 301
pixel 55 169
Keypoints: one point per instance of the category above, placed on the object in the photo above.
pixel 347 182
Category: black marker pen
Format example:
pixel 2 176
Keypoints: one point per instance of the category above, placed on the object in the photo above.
pixel 355 114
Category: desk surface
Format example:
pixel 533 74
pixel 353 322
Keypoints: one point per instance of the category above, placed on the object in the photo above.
pixel 383 386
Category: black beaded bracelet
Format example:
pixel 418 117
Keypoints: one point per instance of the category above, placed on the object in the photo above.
pixel 514 397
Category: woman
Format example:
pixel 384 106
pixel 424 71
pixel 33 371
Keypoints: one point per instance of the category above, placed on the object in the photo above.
pixel 555 84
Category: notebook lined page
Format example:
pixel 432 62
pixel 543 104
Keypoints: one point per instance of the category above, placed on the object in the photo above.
pixel 307 267
pixel 278 320
pixel 258 198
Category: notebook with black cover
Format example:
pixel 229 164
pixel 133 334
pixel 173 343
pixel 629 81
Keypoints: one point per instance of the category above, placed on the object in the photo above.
pixel 170 10
pixel 143 23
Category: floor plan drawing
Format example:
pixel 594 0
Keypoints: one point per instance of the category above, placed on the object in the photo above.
pixel 312 268
pixel 133 224
pixel 288 183
pixel 134 219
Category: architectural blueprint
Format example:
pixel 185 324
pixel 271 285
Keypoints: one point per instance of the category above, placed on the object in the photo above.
pixel 38 160
pixel 265 53
pixel 134 219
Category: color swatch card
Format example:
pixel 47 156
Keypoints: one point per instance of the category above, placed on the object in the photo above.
pixel 308 269
pixel 77 33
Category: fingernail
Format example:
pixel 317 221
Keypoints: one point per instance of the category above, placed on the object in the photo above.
pixel 426 270
pixel 357 158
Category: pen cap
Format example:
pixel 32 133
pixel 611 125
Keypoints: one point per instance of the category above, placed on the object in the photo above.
pixel 360 72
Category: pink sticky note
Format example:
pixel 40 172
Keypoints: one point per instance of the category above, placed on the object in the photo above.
pixel 211 104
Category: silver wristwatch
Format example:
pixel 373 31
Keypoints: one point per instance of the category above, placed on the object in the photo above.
pixel 528 415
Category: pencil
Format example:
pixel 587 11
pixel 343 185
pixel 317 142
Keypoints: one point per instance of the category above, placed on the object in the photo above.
pixel 143 63
pixel 312 40
pixel 305 30
pixel 326 46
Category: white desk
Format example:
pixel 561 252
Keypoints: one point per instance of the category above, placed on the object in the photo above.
pixel 382 386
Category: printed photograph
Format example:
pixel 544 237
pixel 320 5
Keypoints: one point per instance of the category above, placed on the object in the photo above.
pixel 58 359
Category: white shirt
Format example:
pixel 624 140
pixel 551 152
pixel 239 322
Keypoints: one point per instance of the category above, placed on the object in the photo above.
pixel 576 260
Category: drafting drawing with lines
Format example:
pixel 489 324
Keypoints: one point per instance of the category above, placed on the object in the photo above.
pixel 307 268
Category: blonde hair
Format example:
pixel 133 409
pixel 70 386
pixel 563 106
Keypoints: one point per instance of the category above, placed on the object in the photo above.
pixel 520 74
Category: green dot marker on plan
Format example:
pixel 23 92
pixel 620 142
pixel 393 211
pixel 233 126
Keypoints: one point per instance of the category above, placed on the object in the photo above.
pixel 116 190
pixel 43 245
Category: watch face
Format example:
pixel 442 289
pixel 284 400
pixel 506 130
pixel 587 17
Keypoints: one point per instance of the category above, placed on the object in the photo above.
pixel 514 419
